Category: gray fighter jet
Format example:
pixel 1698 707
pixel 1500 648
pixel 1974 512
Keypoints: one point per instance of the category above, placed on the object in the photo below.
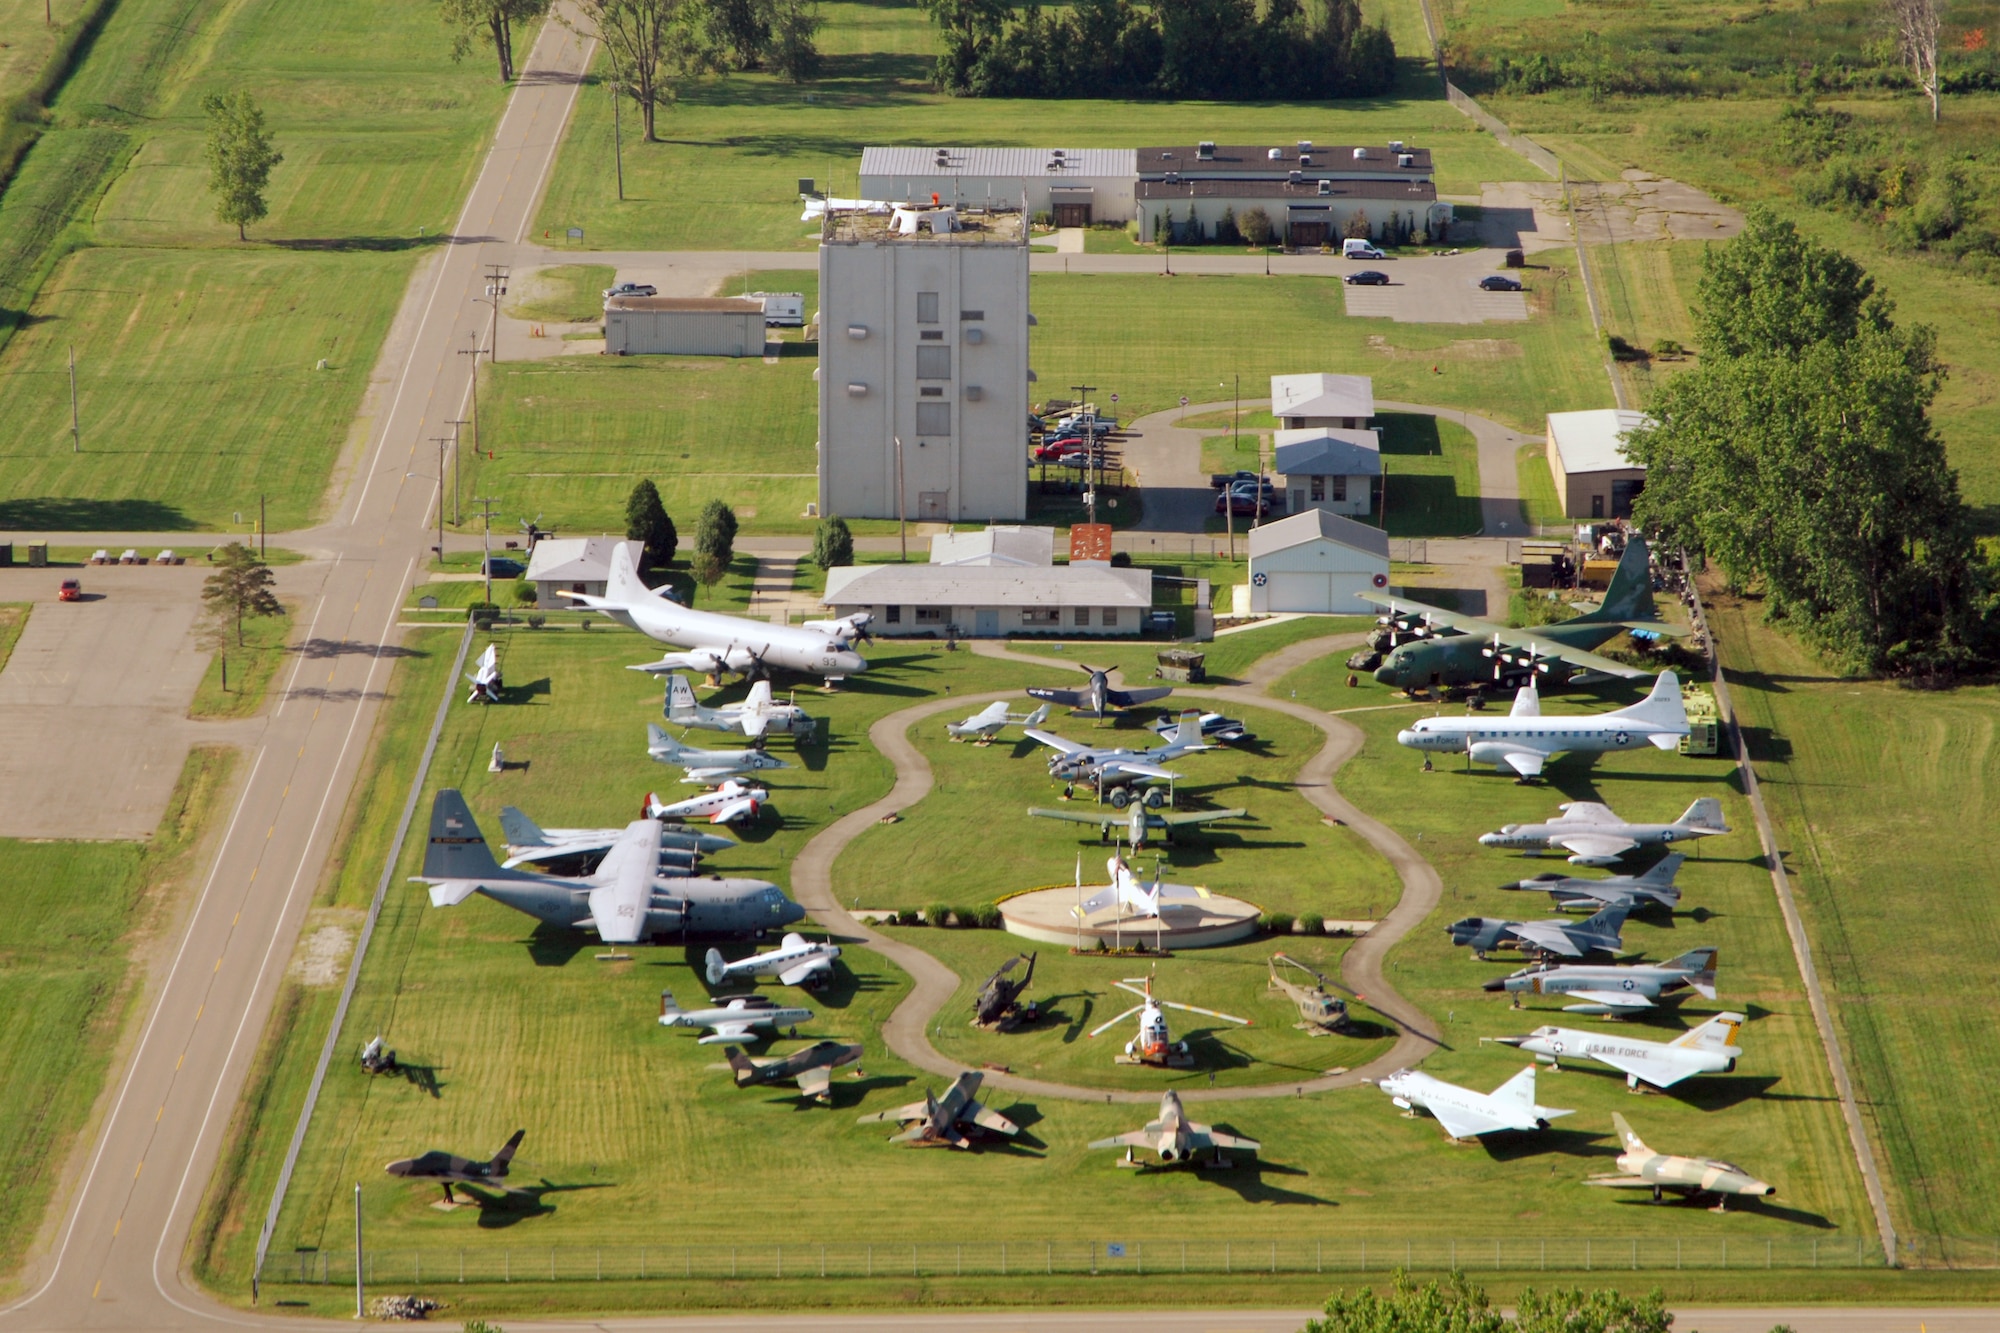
pixel 1563 938
pixel 1634 893
pixel 449 1169
pixel 810 1067
pixel 949 1120
pixel 1138 821
pixel 1175 1137
pixel 705 765
pixel 1595 836
pixel 1098 698
pixel 1614 990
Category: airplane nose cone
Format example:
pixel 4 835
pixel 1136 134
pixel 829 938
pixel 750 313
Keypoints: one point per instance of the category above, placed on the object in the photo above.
pixel 851 662
pixel 1406 737
pixel 1494 984
pixel 1489 840
pixel 1387 674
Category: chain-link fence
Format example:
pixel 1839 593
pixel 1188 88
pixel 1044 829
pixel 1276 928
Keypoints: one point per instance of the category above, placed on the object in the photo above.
pixel 1134 1257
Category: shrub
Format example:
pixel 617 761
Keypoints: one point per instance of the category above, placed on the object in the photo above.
pixel 1121 560
pixel 1357 228
pixel 1669 347
pixel 1276 923
pixel 1255 225
pixel 833 544
pixel 938 914
pixel 1622 350
pixel 482 613
pixel 536 622
pixel 1226 231
pixel 986 916
pixel 525 592
pixel 1312 923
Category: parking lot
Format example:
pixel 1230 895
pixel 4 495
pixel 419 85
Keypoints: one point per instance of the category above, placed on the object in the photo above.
pixel 1437 290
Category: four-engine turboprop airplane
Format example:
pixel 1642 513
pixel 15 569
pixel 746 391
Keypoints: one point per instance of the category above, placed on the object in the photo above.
pixel 797 961
pixel 485 677
pixel 1139 821
pixel 1466 1114
pixel 1654 888
pixel 1524 740
pixel 948 1120
pixel 1613 990
pixel 1708 1049
pixel 715 643
pixel 1595 836
pixel 735 1019
pixel 449 1169
pixel 577 851
pixel 731 803
pixel 1100 697
pixel 757 716
pixel 1639 1167
pixel 1562 937
pixel 1154 1045
pixel 625 900
pixel 1453 650
pixel 989 721
pixel 1175 1137
pixel 705 765
pixel 810 1067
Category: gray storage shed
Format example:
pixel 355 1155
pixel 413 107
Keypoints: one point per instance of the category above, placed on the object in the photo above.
pixel 683 326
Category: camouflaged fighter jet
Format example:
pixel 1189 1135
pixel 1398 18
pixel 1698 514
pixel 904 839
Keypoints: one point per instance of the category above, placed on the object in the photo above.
pixel 1613 990
pixel 811 1067
pixel 1175 1137
pixel 1639 1167
pixel 1594 835
pixel 1562 938
pixel 1634 893
pixel 948 1120
pixel 448 1169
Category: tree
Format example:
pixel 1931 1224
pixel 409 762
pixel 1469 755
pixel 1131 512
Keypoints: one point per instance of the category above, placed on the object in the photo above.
pixel 715 532
pixel 1771 289
pixel 240 158
pixel 239 587
pixel 969 26
pixel 1457 1306
pixel 647 520
pixel 648 44
pixel 794 45
pixel 833 544
pixel 494 20
pixel 1916 24
pixel 1255 226
pixel 708 568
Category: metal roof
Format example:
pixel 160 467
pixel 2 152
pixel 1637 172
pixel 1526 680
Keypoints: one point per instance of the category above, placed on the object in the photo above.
pixel 1239 160
pixel 1274 187
pixel 1000 544
pixel 1325 451
pixel 706 305
pixel 1594 441
pixel 1085 584
pixel 1316 525
pixel 912 163
pixel 577 559
pixel 1322 396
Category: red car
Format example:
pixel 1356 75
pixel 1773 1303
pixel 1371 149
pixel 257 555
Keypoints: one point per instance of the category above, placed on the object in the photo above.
pixel 71 590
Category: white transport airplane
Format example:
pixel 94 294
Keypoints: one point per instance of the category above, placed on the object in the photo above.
pixel 757 715
pixel 716 643
pixel 1524 740
pixel 1708 1049
pixel 797 961
pixel 1466 1114
pixel 732 1020
pixel 730 803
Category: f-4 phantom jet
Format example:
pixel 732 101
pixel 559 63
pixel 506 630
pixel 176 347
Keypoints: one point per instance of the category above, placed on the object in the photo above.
pixel 1594 835
pixel 1614 990
pixel 1175 1137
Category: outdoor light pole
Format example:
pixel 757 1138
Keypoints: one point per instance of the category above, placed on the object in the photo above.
pixel 473 352
pixel 75 434
pixel 441 441
pixel 618 138
pixel 1090 469
pixel 486 503
pixel 360 1291
pixel 496 287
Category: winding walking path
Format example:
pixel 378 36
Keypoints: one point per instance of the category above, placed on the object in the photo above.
pixel 933 984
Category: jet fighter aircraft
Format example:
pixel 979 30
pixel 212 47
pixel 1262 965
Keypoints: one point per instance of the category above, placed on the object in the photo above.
pixel 1562 937
pixel 983 726
pixel 1466 1114
pixel 797 961
pixel 1622 989
pixel 948 1120
pixel 705 765
pixel 1175 1137
pixel 755 717
pixel 1639 1167
pixel 734 1019
pixel 449 1169
pixel 1655 888
pixel 811 1067
pixel 1099 698
pixel 485 677
pixel 1595 836
pixel 1708 1049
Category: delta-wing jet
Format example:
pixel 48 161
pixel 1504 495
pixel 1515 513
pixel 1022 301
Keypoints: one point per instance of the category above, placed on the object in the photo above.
pixel 1175 1137
pixel 1466 1114
pixel 485 677
pixel 949 1120
pixel 1523 741
pixel 705 765
pixel 1100 697
pixel 1708 1049
pixel 756 717
pixel 986 724
pixel 735 1019
pixel 1594 835
pixel 797 961
pixel 1624 989
pixel 1639 1167
pixel 1561 938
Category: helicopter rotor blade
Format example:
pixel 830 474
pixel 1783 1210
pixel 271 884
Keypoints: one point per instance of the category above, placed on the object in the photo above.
pixel 1113 1022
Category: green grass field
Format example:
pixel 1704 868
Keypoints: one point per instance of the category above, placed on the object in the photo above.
pixel 1538 487
pixel 252 664
pixel 567 293
pixel 76 912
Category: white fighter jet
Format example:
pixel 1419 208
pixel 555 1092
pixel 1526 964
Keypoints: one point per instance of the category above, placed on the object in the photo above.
pixel 1175 1137
pixel 1595 836
pixel 757 715
pixel 1140 901
pixel 1524 740
pixel 485 677
pixel 986 724
pixel 715 643
pixel 797 961
pixel 732 803
pixel 735 1019
pixel 705 765
pixel 1708 1049
pixel 1466 1114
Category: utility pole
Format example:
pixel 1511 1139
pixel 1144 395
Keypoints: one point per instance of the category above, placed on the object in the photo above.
pixel 902 519
pixel 75 435
pixel 263 530
pixel 360 1290
pixel 473 352
pixel 1229 488
pixel 618 138
pixel 486 503
pixel 457 514
pixel 496 287
pixel 440 441
pixel 1090 468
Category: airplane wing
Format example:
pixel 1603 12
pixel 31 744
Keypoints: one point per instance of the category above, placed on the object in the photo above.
pixel 1548 936
pixel 623 888
pixel 1133 698
pixel 735 1032
pixel 1596 844
pixel 1197 817
pixel 1628 1183
pixel 1053 741
pixel 1662 1071
pixel 1076 816
pixel 1614 999
pixel 1137 768
pixel 792 976
pixel 817 1081
pixel 698 660
pixel 1463 1122
pixel 1137 1138
pixel 987 1118
pixel 754 724
pixel 1436 615
pixel 1575 657
pixel 1210 1138
pixel 1527 763
pixel 914 1111
pixel 1067 698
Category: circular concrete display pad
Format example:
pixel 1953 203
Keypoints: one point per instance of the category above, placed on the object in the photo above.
pixel 1049 916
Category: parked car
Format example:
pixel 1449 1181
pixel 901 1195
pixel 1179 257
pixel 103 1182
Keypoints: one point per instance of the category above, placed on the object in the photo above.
pixel 71 591
pixel 1217 480
pixel 631 289
pixel 1082 421
pixel 1272 495
pixel 1355 247
pixel 1368 277
pixel 502 567
pixel 1244 504
pixel 1498 282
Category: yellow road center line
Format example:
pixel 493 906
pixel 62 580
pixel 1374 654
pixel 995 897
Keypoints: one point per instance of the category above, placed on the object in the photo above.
pixel 137 1169
pixel 178 1063
pixel 100 1282
pixel 157 1114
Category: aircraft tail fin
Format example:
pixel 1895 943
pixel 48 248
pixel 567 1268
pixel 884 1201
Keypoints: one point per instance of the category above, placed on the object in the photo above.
pixel 1662 707
pixel 457 848
pixel 1610 921
pixel 740 1063
pixel 668 1005
pixel 1705 813
pixel 1694 960
pixel 1627 1138
pixel 498 1166
pixel 519 830
pixel 659 742
pixel 680 699
pixel 1189 730
pixel 1517 1092
pixel 1527 702
pixel 1716 1034
pixel 623 585
pixel 716 967
pixel 1630 593
pixel 1039 716
pixel 1661 875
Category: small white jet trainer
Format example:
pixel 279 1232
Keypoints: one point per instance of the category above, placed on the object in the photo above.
pixel 988 722
pixel 732 802
pixel 733 1020
pixel 715 643
pixel 1595 836
pixel 1466 1114
pixel 1524 740
pixel 1708 1049
pixel 1138 900
pixel 485 677
pixel 705 765
pixel 755 716
pixel 797 961
pixel 1175 1137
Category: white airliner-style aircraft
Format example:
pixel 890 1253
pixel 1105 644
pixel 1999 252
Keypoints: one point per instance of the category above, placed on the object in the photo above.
pixel 984 725
pixel 716 643
pixel 732 802
pixel 797 961
pixel 1466 1114
pixel 756 716
pixel 1708 1049
pixel 1524 740
pixel 485 677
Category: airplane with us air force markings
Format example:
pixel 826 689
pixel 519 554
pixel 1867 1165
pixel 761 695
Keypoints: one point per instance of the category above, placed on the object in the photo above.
pixel 1524 740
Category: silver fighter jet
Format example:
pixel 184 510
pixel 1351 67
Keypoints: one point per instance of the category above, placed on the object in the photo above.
pixel 1654 888
pixel 1594 835
pixel 1562 938
pixel 1613 990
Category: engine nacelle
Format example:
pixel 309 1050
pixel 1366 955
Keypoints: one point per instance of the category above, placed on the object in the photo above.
pixel 1490 752
pixel 1168 1155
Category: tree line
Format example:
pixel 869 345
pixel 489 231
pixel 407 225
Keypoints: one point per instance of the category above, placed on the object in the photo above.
pixel 648 523
pixel 1215 50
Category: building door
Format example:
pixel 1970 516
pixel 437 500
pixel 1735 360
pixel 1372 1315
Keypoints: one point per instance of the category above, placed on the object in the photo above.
pixel 986 624
pixel 1072 215
pixel 1623 493
pixel 933 506
pixel 1307 235
pixel 1303 591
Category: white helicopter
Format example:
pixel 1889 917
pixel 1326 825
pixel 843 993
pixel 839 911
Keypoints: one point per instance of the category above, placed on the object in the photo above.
pixel 1154 1045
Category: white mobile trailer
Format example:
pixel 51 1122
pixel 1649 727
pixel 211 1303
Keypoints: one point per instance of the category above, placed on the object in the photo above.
pixel 787 309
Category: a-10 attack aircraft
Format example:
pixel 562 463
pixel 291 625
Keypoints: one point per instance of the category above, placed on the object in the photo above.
pixel 810 1067
pixel 1466 1114
pixel 577 851
pixel 705 765
pixel 1639 1167
pixel 1614 990
pixel 797 961
pixel 1175 1137
pixel 989 721
pixel 1654 888
pixel 716 643
pixel 732 803
pixel 1563 938
pixel 485 677
pixel 1524 740
pixel 735 1019
pixel 949 1120
pixel 625 900
pixel 448 1169
pixel 1595 836
pixel 1100 697
pixel 755 717
pixel 1708 1049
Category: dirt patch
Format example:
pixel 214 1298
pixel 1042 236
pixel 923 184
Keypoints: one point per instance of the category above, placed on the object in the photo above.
pixel 1461 349
pixel 323 952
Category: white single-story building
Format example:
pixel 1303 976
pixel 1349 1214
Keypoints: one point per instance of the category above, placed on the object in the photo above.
pixel 575 564
pixel 1324 467
pixel 1076 186
pixel 1586 452
pixel 1000 544
pixel 987 601
pixel 683 326
pixel 1316 562
pixel 1345 402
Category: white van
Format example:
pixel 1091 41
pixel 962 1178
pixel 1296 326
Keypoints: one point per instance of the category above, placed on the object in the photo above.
pixel 1355 247
pixel 783 308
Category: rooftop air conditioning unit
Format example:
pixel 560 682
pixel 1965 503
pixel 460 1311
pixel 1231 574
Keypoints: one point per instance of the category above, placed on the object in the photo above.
pixel 1406 159
pixel 1173 178
pixel 1360 153
pixel 1205 150
pixel 1056 153
pixel 1326 187
pixel 1305 145
pixel 1395 145
pixel 1294 178
pixel 1305 159
pixel 1274 154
